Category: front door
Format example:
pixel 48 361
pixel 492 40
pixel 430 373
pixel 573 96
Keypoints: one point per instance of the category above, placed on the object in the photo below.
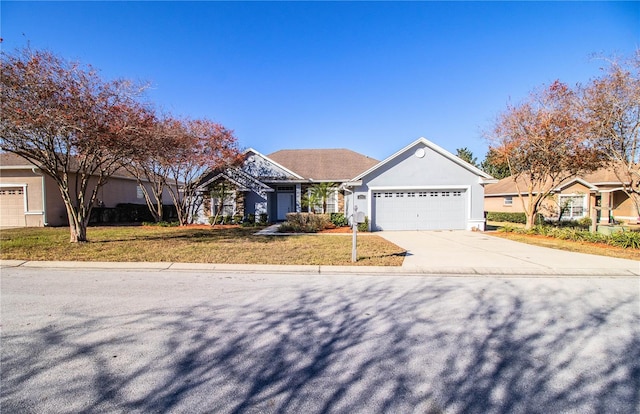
pixel 286 204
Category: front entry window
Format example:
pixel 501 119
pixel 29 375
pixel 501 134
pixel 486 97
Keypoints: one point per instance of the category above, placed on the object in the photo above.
pixel 573 207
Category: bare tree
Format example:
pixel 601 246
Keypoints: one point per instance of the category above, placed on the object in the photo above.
pixel 74 126
pixel 612 104
pixel 544 142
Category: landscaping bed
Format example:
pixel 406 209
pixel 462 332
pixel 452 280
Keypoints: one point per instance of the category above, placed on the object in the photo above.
pixel 601 249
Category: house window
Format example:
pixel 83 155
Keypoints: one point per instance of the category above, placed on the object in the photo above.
pixel 572 207
pixel 139 193
pixel 508 201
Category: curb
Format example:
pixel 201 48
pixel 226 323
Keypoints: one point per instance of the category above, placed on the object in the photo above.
pixel 328 270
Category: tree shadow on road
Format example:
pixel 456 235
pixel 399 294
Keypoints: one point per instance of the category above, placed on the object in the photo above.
pixel 438 346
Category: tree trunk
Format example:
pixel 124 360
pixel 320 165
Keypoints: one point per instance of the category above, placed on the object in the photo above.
pixel 531 218
pixel 77 223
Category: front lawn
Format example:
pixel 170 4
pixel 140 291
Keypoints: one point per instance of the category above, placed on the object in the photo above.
pixel 195 245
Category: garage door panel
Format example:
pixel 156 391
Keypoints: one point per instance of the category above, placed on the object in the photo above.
pixel 419 210
pixel 12 207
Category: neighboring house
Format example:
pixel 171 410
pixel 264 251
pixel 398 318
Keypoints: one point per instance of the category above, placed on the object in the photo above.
pixel 275 184
pixel 29 198
pixel 420 187
pixel 598 195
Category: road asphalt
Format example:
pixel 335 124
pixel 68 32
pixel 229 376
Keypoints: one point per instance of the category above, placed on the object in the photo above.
pixel 428 252
pixel 111 341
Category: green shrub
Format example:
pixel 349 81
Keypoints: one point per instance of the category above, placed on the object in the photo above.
pixel 507 217
pixel 585 222
pixel 364 226
pixel 305 223
pixel 237 219
pixel 339 220
pixel 263 218
pixel 251 218
pixel 626 239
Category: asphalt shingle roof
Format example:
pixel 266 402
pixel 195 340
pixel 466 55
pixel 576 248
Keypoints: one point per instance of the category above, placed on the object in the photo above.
pixel 324 164
pixel 598 177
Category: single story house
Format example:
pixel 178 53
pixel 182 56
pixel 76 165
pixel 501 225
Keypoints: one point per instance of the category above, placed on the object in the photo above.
pixel 275 184
pixel 420 187
pixel 598 195
pixel 29 198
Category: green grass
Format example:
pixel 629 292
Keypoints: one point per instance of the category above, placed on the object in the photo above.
pixel 195 245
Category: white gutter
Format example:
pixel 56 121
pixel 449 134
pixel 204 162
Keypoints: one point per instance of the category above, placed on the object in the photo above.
pixel 44 196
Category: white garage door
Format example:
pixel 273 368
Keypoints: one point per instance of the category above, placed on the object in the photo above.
pixel 12 207
pixel 419 210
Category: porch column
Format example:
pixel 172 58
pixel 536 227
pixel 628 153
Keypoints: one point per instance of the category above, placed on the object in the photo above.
pixel 593 212
pixel 298 198
pixel 606 207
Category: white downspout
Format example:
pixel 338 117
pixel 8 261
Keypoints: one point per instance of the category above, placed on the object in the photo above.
pixel 44 197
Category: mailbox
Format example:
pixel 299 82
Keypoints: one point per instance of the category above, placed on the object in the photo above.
pixel 359 217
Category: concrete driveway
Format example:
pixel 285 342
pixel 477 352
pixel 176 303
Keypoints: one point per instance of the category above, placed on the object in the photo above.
pixel 465 252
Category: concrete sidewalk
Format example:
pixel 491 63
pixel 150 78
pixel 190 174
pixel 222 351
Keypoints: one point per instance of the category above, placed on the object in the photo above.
pixel 428 253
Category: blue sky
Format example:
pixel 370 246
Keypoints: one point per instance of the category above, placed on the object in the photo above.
pixel 368 76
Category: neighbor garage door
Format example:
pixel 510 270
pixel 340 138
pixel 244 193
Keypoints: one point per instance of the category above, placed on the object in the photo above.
pixel 419 210
pixel 12 207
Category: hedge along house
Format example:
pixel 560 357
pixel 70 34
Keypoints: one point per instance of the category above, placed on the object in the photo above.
pixel 598 195
pixel 420 187
pixel 275 184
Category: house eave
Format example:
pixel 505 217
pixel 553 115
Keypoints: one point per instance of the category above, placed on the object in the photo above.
pixel 434 147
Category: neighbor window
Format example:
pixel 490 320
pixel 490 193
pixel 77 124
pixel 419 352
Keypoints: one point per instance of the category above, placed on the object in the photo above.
pixel 508 201
pixel 572 206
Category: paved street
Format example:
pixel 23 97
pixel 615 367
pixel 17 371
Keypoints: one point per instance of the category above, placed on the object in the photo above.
pixel 167 341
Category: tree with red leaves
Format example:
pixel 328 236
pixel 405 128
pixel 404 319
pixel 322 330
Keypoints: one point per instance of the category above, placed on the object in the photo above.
pixel 544 142
pixel 176 156
pixel 70 123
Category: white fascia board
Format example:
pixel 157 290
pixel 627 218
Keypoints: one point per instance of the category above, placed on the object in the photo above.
pixel 418 187
pixel 434 147
pixel 17 167
pixel 576 180
pixel 505 194
pixel 611 190
pixel 484 181
pixel 272 162
pixel 351 184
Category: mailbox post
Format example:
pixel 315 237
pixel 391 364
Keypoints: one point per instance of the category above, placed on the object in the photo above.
pixel 358 217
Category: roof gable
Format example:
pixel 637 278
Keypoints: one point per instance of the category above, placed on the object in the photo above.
pixel 337 164
pixel 422 143
pixel 262 167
